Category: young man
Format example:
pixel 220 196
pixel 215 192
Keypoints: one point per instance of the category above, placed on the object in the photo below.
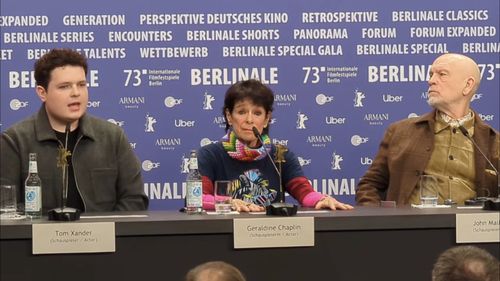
pixel 435 144
pixel 104 173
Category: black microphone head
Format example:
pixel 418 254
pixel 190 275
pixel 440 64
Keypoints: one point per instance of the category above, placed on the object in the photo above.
pixel 463 130
pixel 68 127
pixel 256 132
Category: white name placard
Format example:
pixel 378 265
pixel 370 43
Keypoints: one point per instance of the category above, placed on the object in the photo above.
pixel 66 238
pixel 478 228
pixel 273 232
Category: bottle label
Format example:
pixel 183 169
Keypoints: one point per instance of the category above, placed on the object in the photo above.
pixel 32 167
pixel 194 194
pixel 193 163
pixel 33 199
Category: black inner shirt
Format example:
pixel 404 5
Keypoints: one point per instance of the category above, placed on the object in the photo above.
pixel 74 198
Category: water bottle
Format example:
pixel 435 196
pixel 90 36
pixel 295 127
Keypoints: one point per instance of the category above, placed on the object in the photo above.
pixel 33 190
pixel 194 190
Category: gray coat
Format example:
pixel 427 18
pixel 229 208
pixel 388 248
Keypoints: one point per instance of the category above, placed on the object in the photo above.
pixel 404 153
pixel 107 172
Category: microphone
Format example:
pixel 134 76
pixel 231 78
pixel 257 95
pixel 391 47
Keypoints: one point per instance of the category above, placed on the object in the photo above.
pixel 64 213
pixel 259 137
pixel 281 208
pixel 488 203
pixel 466 133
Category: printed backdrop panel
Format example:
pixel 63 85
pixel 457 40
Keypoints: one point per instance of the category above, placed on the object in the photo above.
pixel 342 71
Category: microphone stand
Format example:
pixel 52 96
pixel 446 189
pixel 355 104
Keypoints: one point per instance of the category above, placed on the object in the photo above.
pixel 489 203
pixel 64 213
pixel 278 209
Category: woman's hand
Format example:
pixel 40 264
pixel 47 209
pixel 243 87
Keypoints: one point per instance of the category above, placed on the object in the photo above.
pixel 328 202
pixel 242 206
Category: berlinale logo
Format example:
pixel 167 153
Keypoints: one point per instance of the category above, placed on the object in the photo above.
pixel 336 159
pixel 184 164
pixel 150 121
pixel 358 98
pixel 207 101
pixel 301 120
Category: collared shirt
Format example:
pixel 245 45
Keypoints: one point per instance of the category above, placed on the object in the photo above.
pixel 452 160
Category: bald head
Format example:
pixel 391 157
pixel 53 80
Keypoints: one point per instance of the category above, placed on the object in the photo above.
pixel 453 81
pixel 464 66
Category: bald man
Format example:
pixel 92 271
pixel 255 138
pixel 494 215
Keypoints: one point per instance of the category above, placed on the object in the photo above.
pixel 433 144
pixel 215 271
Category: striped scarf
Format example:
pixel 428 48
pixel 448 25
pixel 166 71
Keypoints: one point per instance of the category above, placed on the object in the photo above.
pixel 239 151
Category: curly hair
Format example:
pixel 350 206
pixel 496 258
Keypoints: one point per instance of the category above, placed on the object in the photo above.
pixel 57 58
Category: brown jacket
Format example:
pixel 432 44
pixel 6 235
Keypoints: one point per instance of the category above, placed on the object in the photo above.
pixel 404 153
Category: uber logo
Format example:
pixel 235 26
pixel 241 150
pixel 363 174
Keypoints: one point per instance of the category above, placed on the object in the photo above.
pixel 282 142
pixel 487 117
pixel 391 98
pixel 179 123
pixel 330 120
pixel 16 104
pixel 366 161
pixel 94 104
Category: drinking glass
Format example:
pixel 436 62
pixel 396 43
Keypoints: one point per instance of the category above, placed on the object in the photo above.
pixel 428 190
pixel 8 202
pixel 223 197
